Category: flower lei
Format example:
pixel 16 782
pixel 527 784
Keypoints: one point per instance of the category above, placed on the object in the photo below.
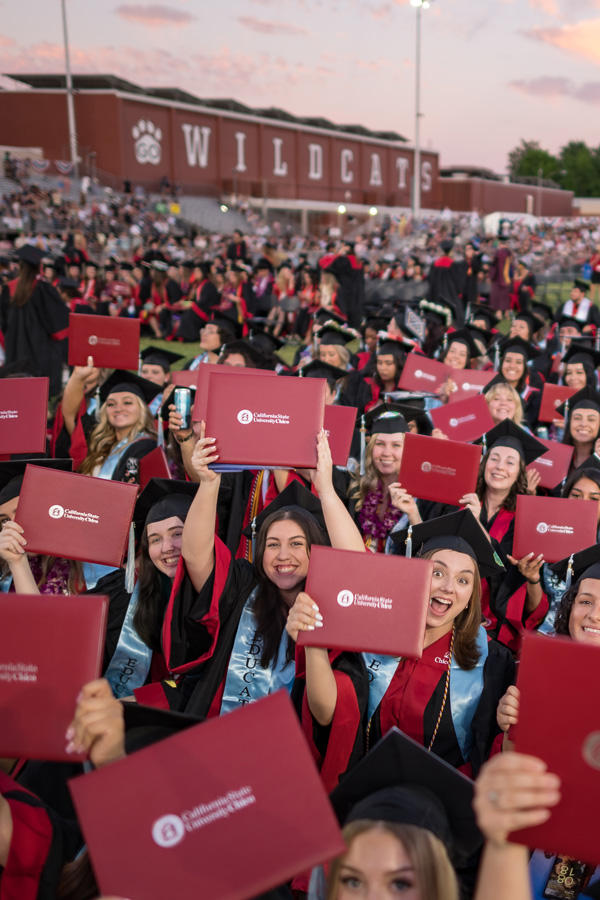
pixel 368 517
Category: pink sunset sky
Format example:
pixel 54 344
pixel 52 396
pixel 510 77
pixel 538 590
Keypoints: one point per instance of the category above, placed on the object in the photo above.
pixel 493 71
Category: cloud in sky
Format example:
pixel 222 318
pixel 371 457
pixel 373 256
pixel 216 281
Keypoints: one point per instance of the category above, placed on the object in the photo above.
pixel 155 14
pixel 266 26
pixel 548 87
pixel 581 39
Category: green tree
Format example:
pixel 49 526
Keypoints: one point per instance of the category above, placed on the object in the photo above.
pixel 529 158
pixel 580 169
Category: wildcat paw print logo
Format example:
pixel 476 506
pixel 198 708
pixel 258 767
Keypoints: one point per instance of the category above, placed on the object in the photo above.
pixel 147 137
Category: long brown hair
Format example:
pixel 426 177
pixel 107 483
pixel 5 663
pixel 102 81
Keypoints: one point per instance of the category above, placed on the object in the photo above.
pixel 563 613
pixel 25 283
pixel 435 878
pixel 270 610
pixel 75 579
pixel 519 487
pixel 149 613
pixel 361 485
pixel 467 623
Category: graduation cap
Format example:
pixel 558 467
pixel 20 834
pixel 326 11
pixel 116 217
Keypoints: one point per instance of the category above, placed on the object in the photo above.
pixel 294 496
pixel 463 336
pixel 159 265
pixel 386 418
pixel 497 379
pixel 12 473
pixel 156 356
pixel 187 264
pixel 122 381
pixel 332 333
pixel 68 284
pixel 256 357
pixel 518 345
pixel 19 367
pixel 459 531
pixel 507 434
pixel 161 499
pixel 30 254
pixel 542 309
pixel 570 322
pixel 411 408
pixel 125 266
pixel 480 334
pixel 318 369
pixel 263 263
pixel 390 344
pixel 262 339
pixel 581 284
pixel 323 316
pixel 533 321
pixel 443 309
pixel 586 398
pixel 412 323
pixel 49 263
pixel 377 323
pixel 481 311
pixel 400 781
pixel 447 246
pixel 585 355
pixel 573 568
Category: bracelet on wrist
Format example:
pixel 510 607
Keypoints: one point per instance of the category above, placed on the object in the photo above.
pixel 534 582
pixel 183 440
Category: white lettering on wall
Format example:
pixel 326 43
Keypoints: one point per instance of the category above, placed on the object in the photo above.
pixel 402 166
pixel 375 180
pixel 347 158
pixel 240 138
pixel 315 168
pixel 426 176
pixel 196 144
pixel 280 168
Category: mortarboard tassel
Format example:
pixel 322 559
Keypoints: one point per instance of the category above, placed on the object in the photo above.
pixel 445 344
pixel 363 444
pixel 484 444
pixel 569 577
pixel 140 364
pixel 161 431
pixel 130 567
pixel 97 410
pixel 497 358
pixel 409 542
pixel 253 541
pixel 566 414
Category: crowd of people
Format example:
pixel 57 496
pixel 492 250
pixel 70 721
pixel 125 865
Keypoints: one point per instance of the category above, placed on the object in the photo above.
pixel 222 559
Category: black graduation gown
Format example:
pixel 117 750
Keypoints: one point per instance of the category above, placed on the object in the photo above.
pixel 190 649
pixel 351 292
pixel 39 836
pixel 38 331
pixel 193 319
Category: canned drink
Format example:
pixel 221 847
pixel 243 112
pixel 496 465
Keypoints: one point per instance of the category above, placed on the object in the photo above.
pixel 182 398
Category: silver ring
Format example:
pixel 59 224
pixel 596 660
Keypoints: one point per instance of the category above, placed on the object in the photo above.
pixel 494 797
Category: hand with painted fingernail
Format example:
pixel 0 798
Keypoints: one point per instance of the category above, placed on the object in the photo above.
pixel 303 616
pixel 529 566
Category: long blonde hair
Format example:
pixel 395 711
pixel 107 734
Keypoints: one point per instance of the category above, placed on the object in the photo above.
pixel 505 387
pixel 361 485
pixel 435 877
pixel 103 438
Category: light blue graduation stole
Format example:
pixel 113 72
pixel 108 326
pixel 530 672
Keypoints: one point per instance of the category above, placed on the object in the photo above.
pixel 554 587
pixel 466 686
pixel 246 679
pixel 156 404
pixel 93 572
pixel 130 664
pixel 5 583
pixel 110 463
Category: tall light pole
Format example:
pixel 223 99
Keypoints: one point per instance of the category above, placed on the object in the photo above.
pixel 419 5
pixel 70 104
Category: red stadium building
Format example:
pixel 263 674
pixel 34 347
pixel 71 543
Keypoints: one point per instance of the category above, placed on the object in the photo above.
pixel 215 147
